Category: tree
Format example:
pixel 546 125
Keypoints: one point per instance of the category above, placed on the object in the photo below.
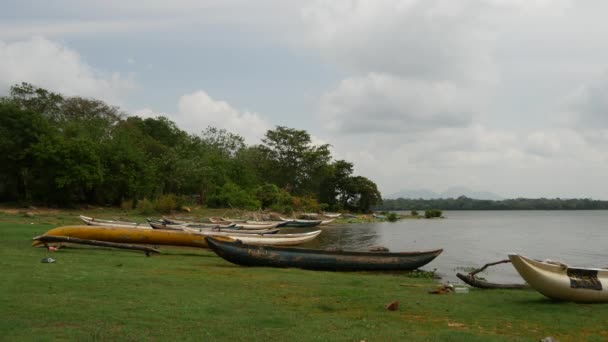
pixel 294 161
pixel 361 194
pixel 21 130
pixel 333 189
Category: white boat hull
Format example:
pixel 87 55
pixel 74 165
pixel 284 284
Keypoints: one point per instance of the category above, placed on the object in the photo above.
pixel 561 282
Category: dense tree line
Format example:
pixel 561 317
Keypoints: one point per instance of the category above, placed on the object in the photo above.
pixel 465 203
pixel 57 150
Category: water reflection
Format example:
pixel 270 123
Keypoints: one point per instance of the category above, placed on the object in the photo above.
pixel 473 238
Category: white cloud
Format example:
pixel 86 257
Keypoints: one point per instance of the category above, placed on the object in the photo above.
pixel 198 110
pixel 50 65
pixel 437 40
pixel 388 104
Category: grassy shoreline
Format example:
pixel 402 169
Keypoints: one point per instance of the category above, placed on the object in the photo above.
pixel 189 294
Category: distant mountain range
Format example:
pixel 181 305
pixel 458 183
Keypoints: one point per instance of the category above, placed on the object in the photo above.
pixel 453 192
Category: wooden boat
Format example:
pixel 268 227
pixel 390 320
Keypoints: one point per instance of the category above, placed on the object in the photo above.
pixel 214 228
pixel 562 282
pixel 295 223
pixel 332 215
pixel 130 235
pixel 248 224
pixel 110 223
pixel 326 222
pixel 193 224
pixel 240 253
pixel 174 237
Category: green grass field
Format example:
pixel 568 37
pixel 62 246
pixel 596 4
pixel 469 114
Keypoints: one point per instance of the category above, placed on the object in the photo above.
pixel 101 294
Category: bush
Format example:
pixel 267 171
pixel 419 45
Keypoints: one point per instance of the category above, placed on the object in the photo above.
pixel 392 217
pixel 126 204
pixel 414 213
pixel 145 207
pixel 231 195
pixel 430 213
pixel 306 204
pixel 268 195
pixel 166 203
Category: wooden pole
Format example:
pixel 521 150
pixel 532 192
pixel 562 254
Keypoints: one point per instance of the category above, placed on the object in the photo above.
pixel 482 284
pixel 48 238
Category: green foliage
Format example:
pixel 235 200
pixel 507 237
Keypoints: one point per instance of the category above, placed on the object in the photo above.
pixel 231 195
pixel 414 213
pixel 431 213
pixel 392 217
pixel 59 150
pixel 145 207
pixel 166 203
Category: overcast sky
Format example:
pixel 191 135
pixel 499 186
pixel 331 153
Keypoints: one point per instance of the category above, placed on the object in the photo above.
pixel 507 96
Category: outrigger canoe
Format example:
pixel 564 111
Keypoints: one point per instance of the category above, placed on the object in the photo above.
pixel 213 228
pixel 562 282
pixel 240 253
pixel 110 223
pixel 174 237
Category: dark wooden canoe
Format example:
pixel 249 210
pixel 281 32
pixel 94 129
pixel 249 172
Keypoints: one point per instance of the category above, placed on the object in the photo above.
pixel 316 259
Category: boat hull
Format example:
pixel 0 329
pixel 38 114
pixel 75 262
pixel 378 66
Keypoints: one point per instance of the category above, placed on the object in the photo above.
pixel 175 237
pixel 575 284
pixel 247 255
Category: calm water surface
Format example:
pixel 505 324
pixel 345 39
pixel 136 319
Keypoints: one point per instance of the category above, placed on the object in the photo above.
pixel 473 238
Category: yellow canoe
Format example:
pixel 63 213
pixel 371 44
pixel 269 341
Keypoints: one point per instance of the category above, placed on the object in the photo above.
pixel 130 235
pixel 174 237
pixel 562 282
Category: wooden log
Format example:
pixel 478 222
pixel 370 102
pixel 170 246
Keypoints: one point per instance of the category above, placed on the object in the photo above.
pixel 482 284
pixel 47 238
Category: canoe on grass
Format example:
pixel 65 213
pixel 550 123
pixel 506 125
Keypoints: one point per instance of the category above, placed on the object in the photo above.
pixel 174 237
pixel 215 228
pixel 241 253
pixel 110 223
pixel 563 282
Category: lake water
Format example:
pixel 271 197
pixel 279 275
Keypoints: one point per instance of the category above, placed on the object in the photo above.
pixel 473 238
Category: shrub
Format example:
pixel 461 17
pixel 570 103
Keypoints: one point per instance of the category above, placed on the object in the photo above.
pixel 231 195
pixel 392 217
pixel 166 203
pixel 268 195
pixel 430 213
pixel 126 204
pixel 145 207
pixel 414 213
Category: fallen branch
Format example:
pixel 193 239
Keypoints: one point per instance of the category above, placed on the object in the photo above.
pixel 48 238
pixel 482 284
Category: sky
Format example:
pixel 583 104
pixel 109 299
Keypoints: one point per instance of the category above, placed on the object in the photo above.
pixel 506 96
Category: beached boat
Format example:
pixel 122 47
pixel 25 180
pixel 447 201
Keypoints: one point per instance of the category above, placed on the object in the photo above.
pixel 192 224
pixel 248 224
pixel 110 223
pixel 332 215
pixel 315 259
pixel 326 222
pixel 295 223
pixel 562 282
pixel 174 237
pixel 212 228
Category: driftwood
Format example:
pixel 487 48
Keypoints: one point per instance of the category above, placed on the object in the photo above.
pixel 482 284
pixel 48 238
